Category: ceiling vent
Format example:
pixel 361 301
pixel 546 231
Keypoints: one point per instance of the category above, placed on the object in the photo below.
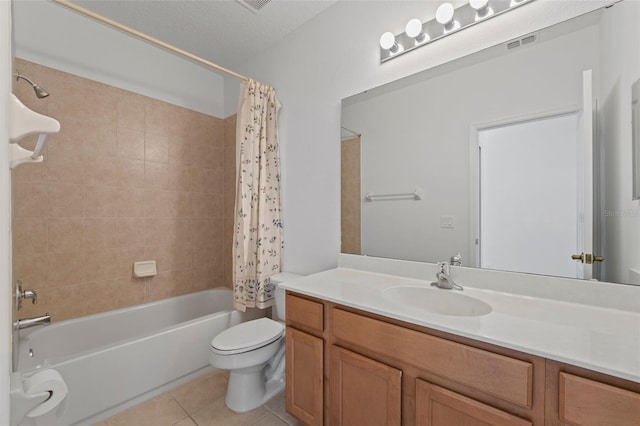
pixel 513 44
pixel 254 5
pixel 528 39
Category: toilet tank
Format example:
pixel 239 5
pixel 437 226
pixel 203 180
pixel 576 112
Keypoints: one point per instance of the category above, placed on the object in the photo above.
pixel 278 309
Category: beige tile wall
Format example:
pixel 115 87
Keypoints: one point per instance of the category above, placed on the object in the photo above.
pixel 128 178
pixel 351 198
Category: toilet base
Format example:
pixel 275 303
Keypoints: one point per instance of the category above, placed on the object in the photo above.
pixel 248 390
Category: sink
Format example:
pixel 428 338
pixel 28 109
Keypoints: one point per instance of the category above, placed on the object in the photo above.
pixel 437 301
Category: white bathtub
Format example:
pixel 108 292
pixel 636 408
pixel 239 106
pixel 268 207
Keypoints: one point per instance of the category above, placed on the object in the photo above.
pixel 112 360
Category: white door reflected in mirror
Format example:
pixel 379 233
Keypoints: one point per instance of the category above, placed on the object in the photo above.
pixel 527 194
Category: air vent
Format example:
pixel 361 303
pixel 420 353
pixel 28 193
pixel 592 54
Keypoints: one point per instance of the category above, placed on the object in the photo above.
pixel 254 5
pixel 531 38
pixel 513 44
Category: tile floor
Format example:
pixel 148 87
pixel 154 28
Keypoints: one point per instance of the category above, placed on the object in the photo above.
pixel 200 403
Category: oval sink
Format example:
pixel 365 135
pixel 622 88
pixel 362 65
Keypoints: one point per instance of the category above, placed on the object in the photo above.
pixel 443 302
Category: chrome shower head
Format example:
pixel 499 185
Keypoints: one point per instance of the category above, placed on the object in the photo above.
pixel 40 92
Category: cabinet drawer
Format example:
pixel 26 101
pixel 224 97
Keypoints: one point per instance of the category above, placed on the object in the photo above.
pixel 498 375
pixel 587 402
pixel 304 313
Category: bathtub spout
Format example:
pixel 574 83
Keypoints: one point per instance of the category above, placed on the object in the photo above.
pixel 32 322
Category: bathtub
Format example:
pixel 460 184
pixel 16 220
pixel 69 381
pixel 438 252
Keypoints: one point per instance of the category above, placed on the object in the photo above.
pixel 115 359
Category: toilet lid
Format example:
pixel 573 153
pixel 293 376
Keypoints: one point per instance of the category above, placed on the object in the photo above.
pixel 247 336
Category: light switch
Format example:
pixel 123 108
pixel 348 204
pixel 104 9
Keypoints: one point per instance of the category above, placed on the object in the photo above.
pixel 446 221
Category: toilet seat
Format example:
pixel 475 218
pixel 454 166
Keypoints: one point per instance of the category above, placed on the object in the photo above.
pixel 247 336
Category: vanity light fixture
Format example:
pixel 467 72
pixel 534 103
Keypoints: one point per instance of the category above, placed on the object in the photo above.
pixel 448 20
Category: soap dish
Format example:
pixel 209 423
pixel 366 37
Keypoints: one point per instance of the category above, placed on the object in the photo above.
pixel 146 268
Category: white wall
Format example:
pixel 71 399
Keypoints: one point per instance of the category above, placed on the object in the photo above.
pixel 620 69
pixel 334 56
pixel 5 212
pixel 418 136
pixel 54 36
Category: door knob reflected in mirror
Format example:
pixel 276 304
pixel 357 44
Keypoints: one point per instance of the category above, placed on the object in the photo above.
pixel 587 258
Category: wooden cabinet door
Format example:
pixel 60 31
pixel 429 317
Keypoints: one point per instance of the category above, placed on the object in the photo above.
pixel 363 391
pixel 304 372
pixel 437 406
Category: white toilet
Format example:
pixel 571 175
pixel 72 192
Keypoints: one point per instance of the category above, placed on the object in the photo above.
pixel 253 351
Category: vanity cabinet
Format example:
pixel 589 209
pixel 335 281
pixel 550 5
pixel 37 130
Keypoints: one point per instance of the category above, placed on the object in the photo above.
pixel 350 367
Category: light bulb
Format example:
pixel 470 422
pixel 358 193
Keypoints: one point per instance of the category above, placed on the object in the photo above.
pixel 414 30
pixel 444 14
pixel 479 5
pixel 388 42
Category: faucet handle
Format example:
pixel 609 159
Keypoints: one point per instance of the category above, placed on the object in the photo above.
pixel 26 294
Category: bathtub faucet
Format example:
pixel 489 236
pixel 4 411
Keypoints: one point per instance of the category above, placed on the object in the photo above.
pixel 24 294
pixel 32 322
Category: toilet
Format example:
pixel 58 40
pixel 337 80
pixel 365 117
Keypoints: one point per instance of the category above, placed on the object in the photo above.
pixel 253 351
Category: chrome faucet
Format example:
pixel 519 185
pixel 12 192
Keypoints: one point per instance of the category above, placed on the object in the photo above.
pixel 444 279
pixel 32 322
pixel 26 294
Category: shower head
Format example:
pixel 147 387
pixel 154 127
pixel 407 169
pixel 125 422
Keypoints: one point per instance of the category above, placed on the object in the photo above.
pixel 40 92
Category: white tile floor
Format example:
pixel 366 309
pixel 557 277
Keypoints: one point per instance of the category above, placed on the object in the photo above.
pixel 200 403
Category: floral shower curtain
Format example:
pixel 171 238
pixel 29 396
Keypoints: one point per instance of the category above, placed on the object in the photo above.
pixel 257 243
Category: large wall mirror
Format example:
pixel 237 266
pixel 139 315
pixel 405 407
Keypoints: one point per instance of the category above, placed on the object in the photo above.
pixel 518 157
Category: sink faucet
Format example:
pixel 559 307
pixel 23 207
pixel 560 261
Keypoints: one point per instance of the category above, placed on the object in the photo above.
pixel 444 279
pixel 32 322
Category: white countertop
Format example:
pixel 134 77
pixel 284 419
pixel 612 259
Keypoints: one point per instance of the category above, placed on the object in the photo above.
pixel 601 339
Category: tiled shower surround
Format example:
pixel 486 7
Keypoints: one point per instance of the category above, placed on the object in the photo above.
pixel 128 178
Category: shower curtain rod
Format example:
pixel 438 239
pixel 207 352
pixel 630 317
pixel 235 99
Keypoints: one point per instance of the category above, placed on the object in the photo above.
pixel 146 37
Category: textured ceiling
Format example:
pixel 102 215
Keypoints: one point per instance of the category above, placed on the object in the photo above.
pixel 222 31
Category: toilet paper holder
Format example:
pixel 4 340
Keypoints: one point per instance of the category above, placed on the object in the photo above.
pixel 34 396
pixel 22 402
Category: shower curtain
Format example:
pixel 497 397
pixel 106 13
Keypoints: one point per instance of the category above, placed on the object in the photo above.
pixel 257 243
